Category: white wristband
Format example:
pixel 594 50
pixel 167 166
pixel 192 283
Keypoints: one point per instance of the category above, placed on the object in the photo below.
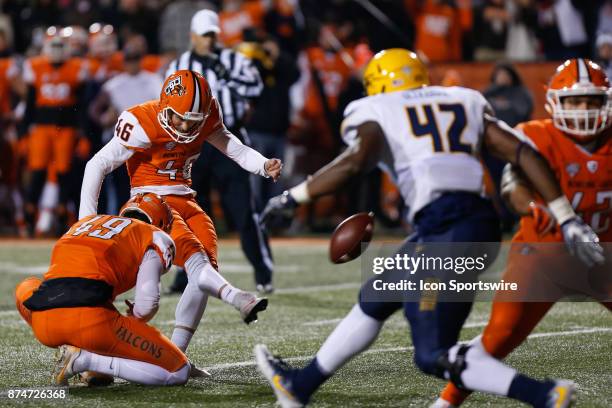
pixel 561 209
pixel 300 193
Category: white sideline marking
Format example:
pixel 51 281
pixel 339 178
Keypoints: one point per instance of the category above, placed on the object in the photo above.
pixel 23 269
pixel 468 325
pixel 9 313
pixel 398 349
pixel 227 267
pixel 231 267
pixel 471 325
pixel 322 322
pixel 309 289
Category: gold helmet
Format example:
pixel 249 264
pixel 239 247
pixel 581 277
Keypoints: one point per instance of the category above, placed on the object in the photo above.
pixel 395 69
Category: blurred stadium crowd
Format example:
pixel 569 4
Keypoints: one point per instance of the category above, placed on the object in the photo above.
pixel 60 96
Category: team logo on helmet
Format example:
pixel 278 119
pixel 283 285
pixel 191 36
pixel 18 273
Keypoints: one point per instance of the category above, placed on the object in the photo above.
pixel 175 87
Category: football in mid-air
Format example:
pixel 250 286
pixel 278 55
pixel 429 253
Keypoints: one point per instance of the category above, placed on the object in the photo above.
pixel 345 243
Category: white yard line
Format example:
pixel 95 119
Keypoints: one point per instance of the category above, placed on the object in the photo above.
pixel 400 349
pixel 322 322
pixel 23 269
pixel 232 267
pixel 226 267
pixel 9 313
pixel 471 325
pixel 325 288
pixel 315 323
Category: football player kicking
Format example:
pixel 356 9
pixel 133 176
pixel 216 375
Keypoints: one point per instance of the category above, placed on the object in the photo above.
pixel 160 140
pixel 430 138
pixel 577 143
pixel 99 258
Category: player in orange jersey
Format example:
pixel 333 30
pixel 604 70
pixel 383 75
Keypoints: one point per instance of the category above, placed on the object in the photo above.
pixel 577 144
pixel 160 140
pixel 99 258
pixel 105 59
pixel 10 83
pixel 55 93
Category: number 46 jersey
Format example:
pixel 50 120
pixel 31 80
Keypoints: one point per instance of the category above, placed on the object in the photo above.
pixel 160 165
pixel 433 138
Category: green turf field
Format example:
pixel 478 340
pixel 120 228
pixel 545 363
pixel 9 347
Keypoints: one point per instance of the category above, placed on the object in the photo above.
pixel 574 341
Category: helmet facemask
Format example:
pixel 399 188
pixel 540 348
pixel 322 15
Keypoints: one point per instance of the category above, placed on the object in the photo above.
pixel 178 135
pixel 582 124
pixel 56 50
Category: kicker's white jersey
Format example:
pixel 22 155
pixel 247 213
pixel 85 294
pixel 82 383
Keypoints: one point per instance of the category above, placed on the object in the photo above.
pixel 433 137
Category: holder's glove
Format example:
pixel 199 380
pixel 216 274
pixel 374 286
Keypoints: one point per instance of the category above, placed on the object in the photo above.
pixel 582 242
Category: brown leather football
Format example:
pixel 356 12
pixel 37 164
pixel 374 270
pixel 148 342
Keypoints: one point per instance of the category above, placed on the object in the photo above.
pixel 345 244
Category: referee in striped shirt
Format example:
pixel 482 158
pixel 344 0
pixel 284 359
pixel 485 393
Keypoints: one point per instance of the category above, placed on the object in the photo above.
pixel 234 80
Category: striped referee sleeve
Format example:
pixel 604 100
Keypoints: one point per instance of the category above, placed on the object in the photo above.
pixel 244 79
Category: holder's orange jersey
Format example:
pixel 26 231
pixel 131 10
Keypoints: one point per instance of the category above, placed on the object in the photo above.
pixel 108 248
pixel 55 85
pixel 585 178
pixel 158 160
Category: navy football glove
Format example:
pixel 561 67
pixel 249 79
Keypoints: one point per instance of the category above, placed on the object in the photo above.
pixel 282 206
pixel 582 242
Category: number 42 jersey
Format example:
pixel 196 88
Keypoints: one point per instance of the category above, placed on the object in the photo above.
pixel 433 138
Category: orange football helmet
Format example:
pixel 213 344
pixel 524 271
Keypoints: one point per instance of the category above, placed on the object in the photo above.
pixel 76 38
pixel 580 77
pixel 187 95
pixel 55 47
pixel 150 208
pixel 102 40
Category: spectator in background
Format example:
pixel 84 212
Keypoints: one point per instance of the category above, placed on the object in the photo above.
pixel 285 22
pixel 604 52
pixel 513 104
pixel 593 14
pixel 173 38
pixel 27 16
pixel 325 67
pixel 438 29
pixel 79 12
pixel 267 125
pixel 604 23
pixel 508 96
pixel 491 22
pixel 236 16
pixel 392 27
pixel 6 26
pixel 132 87
pixel 521 43
pixel 561 30
pixel 134 17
